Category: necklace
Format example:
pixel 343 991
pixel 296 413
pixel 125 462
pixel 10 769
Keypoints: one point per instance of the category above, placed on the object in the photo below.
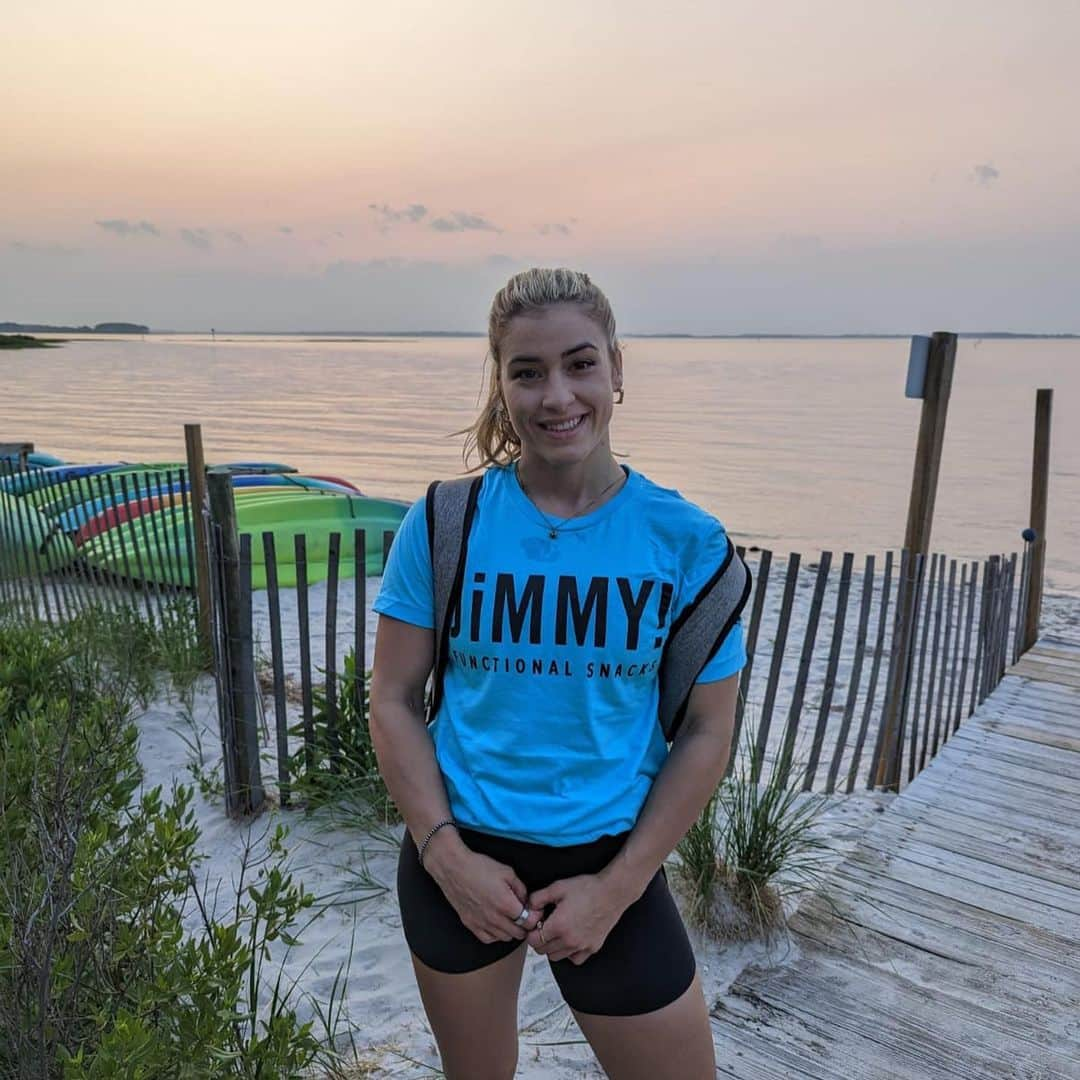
pixel 553 527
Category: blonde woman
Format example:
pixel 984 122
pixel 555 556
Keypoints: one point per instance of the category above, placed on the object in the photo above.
pixel 542 799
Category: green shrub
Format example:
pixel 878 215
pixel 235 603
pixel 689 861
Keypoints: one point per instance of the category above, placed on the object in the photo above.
pixel 100 972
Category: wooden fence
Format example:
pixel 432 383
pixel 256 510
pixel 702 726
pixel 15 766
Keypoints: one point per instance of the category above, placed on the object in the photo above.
pixel 71 540
pixel 822 638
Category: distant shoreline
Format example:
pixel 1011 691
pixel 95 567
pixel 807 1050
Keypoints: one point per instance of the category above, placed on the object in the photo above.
pixel 134 329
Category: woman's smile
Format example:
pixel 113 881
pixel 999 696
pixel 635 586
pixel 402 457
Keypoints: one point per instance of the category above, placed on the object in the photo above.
pixel 562 429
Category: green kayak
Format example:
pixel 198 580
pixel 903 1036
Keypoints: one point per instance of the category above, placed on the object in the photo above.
pixel 29 544
pixel 153 546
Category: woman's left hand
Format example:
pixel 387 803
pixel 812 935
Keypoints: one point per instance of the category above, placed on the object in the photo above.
pixel 586 909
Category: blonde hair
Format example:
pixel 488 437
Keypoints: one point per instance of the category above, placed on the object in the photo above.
pixel 491 436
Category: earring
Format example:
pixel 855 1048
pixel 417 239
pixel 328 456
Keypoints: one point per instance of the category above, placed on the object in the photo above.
pixel 619 396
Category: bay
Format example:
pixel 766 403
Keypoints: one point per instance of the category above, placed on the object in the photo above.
pixel 795 444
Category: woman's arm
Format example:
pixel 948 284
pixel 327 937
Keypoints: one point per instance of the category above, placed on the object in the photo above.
pixel 588 907
pixel 486 895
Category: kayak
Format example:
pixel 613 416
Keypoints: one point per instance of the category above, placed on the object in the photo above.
pixel 153 546
pixel 89 518
pixel 29 543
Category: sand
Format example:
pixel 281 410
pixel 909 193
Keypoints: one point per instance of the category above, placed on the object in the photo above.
pixel 358 930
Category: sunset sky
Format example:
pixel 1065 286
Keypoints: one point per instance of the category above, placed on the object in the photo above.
pixel 826 166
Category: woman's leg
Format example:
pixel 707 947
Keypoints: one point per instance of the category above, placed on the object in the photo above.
pixel 474 1017
pixel 671 1043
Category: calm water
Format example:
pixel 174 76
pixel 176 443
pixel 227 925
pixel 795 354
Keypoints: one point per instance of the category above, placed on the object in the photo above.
pixel 795 445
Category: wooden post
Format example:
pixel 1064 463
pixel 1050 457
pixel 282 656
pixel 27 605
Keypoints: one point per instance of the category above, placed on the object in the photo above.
pixel 197 480
pixel 1040 489
pixel 935 394
pixel 20 451
pixel 240 645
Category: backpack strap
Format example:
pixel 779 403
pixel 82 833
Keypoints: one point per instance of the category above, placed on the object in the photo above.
pixel 450 508
pixel 693 640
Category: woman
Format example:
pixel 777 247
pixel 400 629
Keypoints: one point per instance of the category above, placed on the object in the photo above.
pixel 542 801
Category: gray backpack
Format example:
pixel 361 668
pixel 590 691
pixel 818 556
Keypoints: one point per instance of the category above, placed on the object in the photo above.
pixel 694 637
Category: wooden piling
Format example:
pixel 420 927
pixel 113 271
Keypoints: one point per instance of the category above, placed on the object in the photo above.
pixel 1040 492
pixel 240 652
pixel 935 409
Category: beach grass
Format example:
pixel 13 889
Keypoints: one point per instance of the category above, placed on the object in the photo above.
pixel 754 844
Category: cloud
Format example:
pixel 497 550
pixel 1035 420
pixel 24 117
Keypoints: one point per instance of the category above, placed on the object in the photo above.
pixel 197 238
pixel 553 228
pixel 985 174
pixel 286 229
pixel 459 221
pixel 388 216
pixel 43 249
pixel 123 227
pixel 235 237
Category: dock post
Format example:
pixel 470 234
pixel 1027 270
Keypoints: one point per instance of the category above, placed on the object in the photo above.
pixel 1040 490
pixel 935 388
pixel 242 738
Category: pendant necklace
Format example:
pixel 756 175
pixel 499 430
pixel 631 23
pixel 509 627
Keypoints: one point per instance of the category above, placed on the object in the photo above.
pixel 553 527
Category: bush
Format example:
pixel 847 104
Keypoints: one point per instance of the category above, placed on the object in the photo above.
pixel 99 976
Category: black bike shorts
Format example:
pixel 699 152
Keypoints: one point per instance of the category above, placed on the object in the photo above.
pixel 645 963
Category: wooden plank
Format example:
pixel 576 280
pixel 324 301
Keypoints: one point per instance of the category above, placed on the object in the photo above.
pixel 754 1043
pixel 304 629
pixel 1042 947
pixel 914 1028
pixel 917 689
pixel 941 709
pixel 776 665
pixel 1031 670
pixel 974 781
pixel 898 832
pixel 332 720
pixel 875 669
pixel 277 661
pixel 752 631
pixel 855 677
pixel 1055 851
pixel 1001 745
pixel 954 878
pixel 983 987
pixel 835 648
pixel 360 620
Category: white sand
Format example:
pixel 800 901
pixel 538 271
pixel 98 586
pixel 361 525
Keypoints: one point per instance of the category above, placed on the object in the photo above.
pixel 382 1004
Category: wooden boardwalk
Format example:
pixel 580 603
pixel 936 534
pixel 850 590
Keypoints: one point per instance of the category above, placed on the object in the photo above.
pixel 951 947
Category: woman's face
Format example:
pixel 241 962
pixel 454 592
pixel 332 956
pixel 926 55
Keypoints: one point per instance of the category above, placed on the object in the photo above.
pixel 558 378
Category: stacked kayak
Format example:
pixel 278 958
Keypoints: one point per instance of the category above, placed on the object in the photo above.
pixel 29 543
pixel 130 520
pixel 152 545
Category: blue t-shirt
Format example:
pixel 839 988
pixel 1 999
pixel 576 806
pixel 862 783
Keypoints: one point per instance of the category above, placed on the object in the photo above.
pixel 548 731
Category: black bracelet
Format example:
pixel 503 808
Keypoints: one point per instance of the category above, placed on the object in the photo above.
pixel 427 839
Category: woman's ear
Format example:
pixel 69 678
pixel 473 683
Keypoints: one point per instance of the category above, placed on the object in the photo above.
pixel 616 370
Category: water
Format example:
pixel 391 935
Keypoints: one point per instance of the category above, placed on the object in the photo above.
pixel 794 445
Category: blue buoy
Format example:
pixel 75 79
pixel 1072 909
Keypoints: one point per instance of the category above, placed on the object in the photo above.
pixel 1029 535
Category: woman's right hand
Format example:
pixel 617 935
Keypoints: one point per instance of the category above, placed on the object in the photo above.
pixel 487 895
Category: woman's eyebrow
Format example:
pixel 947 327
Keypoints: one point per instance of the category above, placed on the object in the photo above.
pixel 537 359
